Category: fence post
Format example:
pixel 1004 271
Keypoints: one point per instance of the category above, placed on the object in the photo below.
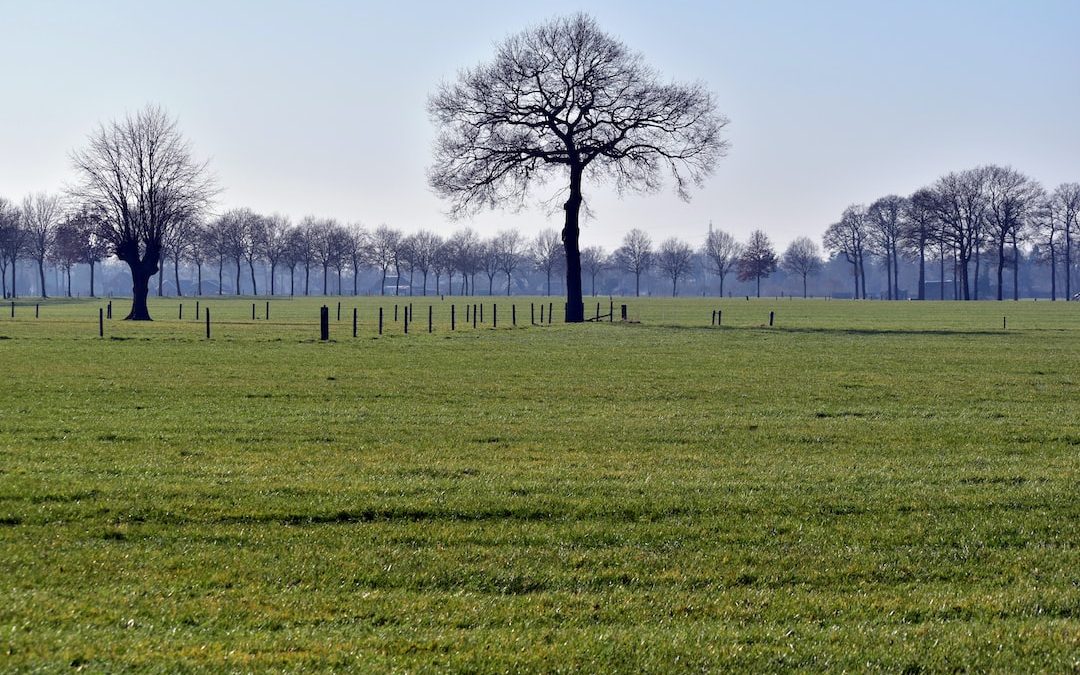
pixel 395 314
pixel 1003 324
pixel 719 317
pixel 253 311
pixel 100 322
pixel 532 313
pixel 541 314
pixel 513 315
pixel 108 311
pixel 267 317
pixel 37 310
pixel 551 315
pixel 611 311
pixel 624 312
pixel 494 315
pixel 481 312
pixel 380 321
pixel 771 314
pixel 207 323
pixel 453 317
pixel 474 316
pixel 181 317
pixel 406 322
pixel 430 316
pixel 597 313
pixel 713 318
pixel 324 323
pixel 196 310
pixel 354 313
pixel 339 310
pixel 13 309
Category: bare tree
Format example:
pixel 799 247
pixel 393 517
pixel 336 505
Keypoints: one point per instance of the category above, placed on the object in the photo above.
pixel 546 253
pixel 66 250
pixel 960 205
pixel 463 248
pixel 303 245
pixel 721 252
pixel 274 244
pixel 884 218
pixel 758 259
pixel 201 250
pixel 1011 203
pixel 327 248
pixel 509 246
pixel 565 98
pixel 425 247
pixel 140 173
pixel 802 257
pixel 635 256
pixel 12 240
pixel 594 260
pixel 41 215
pixel 489 263
pixel 1065 206
pixel 675 259
pixel 176 245
pixel 355 242
pixel 917 233
pixel 848 238
pixel 383 251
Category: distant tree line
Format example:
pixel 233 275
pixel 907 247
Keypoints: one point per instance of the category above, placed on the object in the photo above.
pixel 967 236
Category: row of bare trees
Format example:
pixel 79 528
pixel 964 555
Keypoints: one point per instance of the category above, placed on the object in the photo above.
pixel 965 219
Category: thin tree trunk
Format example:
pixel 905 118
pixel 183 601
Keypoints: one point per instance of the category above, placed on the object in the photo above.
pixel 91 278
pixel 198 274
pixel 922 271
pixel 176 274
pixel 41 272
pixel 251 267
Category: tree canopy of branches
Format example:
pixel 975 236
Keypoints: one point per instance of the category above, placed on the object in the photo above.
pixel 593 261
pixel 546 255
pixel 758 259
pixel 848 238
pixel 139 173
pixel 884 217
pixel 566 99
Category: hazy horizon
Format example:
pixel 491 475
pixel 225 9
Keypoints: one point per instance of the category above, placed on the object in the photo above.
pixel 320 108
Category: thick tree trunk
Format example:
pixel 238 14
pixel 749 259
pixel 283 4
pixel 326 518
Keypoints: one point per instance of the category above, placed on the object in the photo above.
pixel 382 286
pixel 161 283
pixel 637 284
pixel 221 277
pixel 721 285
pixel 759 285
pixel 254 287
pixel 804 285
pixel 176 275
pixel 507 283
pixel 238 271
pixel 273 273
pixel 140 289
pixel 571 235
pixel 307 278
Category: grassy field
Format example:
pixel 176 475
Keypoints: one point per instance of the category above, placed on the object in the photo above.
pixel 863 486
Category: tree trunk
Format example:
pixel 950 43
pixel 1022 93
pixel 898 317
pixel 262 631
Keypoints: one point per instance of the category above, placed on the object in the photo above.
pixel 721 285
pixel 221 277
pixel 549 281
pixel 273 271
pixel 238 276
pixel 251 267
pixel 941 260
pixel 673 282
pixel 198 276
pixel 1001 269
pixel 1053 274
pixel 41 273
pixel 575 304
pixel 382 286
pixel 161 283
pixel 307 278
pixel 507 283
pixel 69 281
pixel 637 284
pixel 91 278
pixel 759 285
pixel 176 274
pixel 804 285
pixel 491 285
pixel 922 271
pixel 140 289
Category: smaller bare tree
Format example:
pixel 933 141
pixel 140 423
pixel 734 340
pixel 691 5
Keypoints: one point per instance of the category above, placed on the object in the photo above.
pixel 675 259
pixel 802 257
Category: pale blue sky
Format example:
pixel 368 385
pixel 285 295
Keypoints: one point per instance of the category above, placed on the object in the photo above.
pixel 319 107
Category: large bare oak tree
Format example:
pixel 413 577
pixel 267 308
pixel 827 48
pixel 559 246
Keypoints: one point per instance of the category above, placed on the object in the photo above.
pixel 565 99
pixel 139 173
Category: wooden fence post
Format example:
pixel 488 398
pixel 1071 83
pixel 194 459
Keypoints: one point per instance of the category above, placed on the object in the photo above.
pixel 771 314
pixel 355 311
pixel 181 317
pixel 541 314
pixel 430 316
pixel 253 311
pixel 494 315
pixel 624 312
pixel 339 311
pixel 207 323
pixel 453 317
pixel 513 315
pixel 197 315
pixel 532 313
pixel 380 321
pixel 551 314
pixel 474 316
pixel 267 317
pixel 324 323
pixel 100 322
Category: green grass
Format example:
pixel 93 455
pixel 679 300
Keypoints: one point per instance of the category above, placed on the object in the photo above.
pixel 866 485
